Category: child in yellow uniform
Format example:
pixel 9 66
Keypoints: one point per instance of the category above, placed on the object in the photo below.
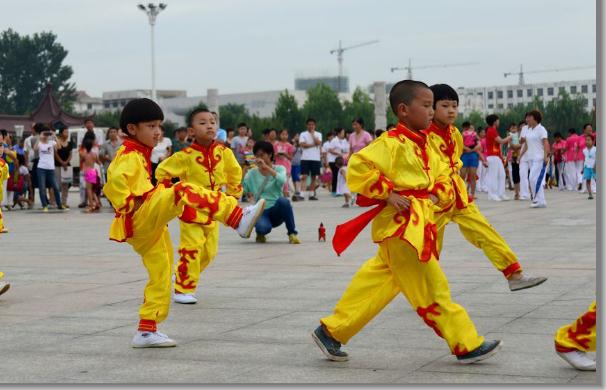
pixel 143 212
pixel 572 342
pixel 446 141
pixel 407 182
pixel 4 175
pixel 213 166
pixel 4 286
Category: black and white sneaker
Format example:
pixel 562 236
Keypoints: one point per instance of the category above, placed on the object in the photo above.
pixel 329 346
pixel 484 351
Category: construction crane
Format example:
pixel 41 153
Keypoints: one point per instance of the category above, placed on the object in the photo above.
pixel 340 51
pixel 521 72
pixel 410 67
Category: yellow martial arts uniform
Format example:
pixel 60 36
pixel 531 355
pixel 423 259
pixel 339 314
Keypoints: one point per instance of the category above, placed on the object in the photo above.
pixel 407 258
pixel 142 213
pixel 580 335
pixel 213 167
pixel 4 175
pixel 447 143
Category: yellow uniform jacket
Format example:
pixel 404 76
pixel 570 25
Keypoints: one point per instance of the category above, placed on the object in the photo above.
pixel 212 167
pixel 401 162
pixel 128 182
pixel 3 174
pixel 447 144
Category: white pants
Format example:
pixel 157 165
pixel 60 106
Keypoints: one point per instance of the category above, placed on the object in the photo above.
pixel 82 187
pixel 481 182
pixel 570 175
pixel 561 179
pixel 524 168
pixel 579 167
pixel 535 169
pixel 495 178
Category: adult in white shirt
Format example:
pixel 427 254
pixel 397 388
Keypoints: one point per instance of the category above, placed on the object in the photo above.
pixel 46 168
pixel 524 166
pixel 339 147
pixel 536 152
pixel 160 152
pixel 310 141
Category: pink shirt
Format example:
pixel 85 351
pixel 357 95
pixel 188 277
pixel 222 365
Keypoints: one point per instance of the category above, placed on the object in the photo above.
pixel 287 148
pixel 357 142
pixel 558 151
pixel 571 144
pixel 483 144
pixel 469 138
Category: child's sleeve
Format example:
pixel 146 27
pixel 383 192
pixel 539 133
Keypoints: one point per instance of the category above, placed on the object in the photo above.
pixel 366 171
pixel 443 188
pixel 120 178
pixel 233 174
pixel 174 166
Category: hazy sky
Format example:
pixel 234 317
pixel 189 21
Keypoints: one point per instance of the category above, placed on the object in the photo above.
pixel 256 45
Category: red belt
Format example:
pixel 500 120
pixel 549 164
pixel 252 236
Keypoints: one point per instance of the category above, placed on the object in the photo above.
pixel 347 232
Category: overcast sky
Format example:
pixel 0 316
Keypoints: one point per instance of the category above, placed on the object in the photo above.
pixel 257 45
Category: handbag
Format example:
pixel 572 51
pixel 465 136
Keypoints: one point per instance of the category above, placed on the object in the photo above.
pixel 67 175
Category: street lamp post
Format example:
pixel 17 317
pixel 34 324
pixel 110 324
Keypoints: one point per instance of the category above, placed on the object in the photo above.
pixel 152 10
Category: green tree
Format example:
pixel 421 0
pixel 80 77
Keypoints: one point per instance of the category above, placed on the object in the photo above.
pixel 27 65
pixel 391 117
pixel 287 113
pixel 108 119
pixel 169 128
pixel 361 106
pixel 258 124
pixel 324 106
pixel 476 118
pixel 564 112
pixel 201 105
pixel 232 114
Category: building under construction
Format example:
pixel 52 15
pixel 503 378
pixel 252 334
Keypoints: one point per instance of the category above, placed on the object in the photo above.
pixel 339 84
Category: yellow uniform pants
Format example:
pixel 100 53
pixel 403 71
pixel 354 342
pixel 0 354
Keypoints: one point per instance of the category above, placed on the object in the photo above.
pixel 152 241
pixel 1 220
pixel 396 268
pixel 478 231
pixel 580 335
pixel 197 249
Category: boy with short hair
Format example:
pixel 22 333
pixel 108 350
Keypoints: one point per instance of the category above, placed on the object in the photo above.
pixel 143 212
pixel 211 165
pixel 445 141
pixel 399 173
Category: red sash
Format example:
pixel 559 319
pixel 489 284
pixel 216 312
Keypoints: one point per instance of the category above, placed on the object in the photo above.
pixel 347 232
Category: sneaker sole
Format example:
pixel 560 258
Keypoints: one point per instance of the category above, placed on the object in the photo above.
pixel 325 351
pixel 530 285
pixel 255 219
pixel 483 357
pixel 5 288
pixel 580 368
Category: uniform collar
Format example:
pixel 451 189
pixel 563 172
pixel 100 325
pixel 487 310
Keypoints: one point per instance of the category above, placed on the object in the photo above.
pixel 417 137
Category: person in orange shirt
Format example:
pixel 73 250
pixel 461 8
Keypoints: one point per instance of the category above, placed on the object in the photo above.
pixel 398 173
pixel 445 140
pixel 143 212
pixel 211 165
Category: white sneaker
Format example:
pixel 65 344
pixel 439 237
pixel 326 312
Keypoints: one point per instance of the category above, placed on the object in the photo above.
pixel 578 359
pixel 185 298
pixel 535 205
pixel 526 281
pixel 4 287
pixel 250 215
pixel 505 198
pixel 152 340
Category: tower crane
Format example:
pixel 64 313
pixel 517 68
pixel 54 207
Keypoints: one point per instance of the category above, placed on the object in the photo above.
pixel 409 68
pixel 521 73
pixel 340 51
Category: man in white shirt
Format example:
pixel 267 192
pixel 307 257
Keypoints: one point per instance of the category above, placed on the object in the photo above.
pixel 524 167
pixel 310 141
pixel 536 152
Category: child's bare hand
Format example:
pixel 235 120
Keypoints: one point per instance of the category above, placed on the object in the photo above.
pixel 399 202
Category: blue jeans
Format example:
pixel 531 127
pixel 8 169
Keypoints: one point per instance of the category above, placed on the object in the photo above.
pixel 46 177
pixel 280 212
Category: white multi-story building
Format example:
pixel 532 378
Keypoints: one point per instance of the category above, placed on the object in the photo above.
pixel 500 98
pixel 116 100
pixel 87 105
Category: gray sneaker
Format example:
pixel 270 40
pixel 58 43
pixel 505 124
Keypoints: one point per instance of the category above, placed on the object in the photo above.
pixel 525 282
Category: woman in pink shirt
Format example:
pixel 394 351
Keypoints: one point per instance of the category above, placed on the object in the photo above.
pixel 284 152
pixel 571 176
pixel 360 138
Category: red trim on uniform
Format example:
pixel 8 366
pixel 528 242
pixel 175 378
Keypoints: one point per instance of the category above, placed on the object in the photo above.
pixel 563 349
pixel 511 269
pixel 235 217
pixel 147 325
pixel 132 145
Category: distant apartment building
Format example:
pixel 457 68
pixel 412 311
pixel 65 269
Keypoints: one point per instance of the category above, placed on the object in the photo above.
pixel 87 105
pixel 116 100
pixel 500 98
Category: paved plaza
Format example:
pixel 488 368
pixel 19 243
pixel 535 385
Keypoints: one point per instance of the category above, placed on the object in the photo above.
pixel 72 309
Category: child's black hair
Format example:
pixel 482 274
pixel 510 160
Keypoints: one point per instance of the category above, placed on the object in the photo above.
pixel 195 111
pixel 557 134
pixel 310 120
pixel 88 142
pixel 242 124
pixel 572 131
pixel 140 110
pixel 466 125
pixel 264 146
pixel 536 115
pixel 266 131
pixel 443 92
pixel 339 162
pixel 378 132
pixel 404 92
pixel 359 121
pixel 587 124
pixel 491 119
pixel 21 159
